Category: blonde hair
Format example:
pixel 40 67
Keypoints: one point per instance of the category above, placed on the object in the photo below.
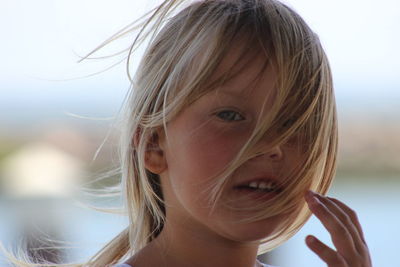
pixel 185 49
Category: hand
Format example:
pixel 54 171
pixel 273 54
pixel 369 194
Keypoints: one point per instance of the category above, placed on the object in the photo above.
pixel 345 230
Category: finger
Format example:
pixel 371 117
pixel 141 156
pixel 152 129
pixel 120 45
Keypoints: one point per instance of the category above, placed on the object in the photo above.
pixel 328 255
pixel 340 236
pixel 352 214
pixel 346 219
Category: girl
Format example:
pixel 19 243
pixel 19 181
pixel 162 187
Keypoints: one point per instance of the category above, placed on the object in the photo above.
pixel 230 141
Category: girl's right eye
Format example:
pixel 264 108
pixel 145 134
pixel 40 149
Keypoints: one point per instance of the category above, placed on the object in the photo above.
pixel 230 115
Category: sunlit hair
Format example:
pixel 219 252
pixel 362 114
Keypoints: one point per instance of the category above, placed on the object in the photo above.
pixel 186 48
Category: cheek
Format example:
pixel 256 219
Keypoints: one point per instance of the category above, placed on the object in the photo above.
pixel 205 152
pixel 215 152
pixel 193 159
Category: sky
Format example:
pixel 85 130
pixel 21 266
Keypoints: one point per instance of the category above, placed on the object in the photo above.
pixel 42 42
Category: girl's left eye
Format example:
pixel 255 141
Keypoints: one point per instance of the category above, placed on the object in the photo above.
pixel 288 123
pixel 230 115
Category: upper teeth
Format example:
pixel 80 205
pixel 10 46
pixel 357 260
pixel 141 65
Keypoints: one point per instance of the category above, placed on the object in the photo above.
pixel 262 185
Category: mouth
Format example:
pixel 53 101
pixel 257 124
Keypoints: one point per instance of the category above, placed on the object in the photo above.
pixel 258 189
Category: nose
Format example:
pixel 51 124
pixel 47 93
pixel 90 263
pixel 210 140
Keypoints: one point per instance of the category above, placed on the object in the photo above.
pixel 274 153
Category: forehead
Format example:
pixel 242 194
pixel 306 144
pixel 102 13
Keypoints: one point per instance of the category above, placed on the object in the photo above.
pixel 248 71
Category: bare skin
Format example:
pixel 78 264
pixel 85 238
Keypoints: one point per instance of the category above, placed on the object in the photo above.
pixel 162 252
pixel 340 221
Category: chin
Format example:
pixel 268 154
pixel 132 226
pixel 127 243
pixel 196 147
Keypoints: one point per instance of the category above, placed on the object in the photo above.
pixel 253 232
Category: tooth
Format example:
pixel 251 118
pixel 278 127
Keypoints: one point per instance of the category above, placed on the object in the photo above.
pixel 264 185
pixel 267 185
pixel 253 185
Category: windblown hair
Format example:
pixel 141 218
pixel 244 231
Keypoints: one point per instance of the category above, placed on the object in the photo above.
pixel 186 48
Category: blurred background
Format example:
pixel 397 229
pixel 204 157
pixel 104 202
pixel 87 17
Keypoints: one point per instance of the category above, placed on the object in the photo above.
pixel 54 115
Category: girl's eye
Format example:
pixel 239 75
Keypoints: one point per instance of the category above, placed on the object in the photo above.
pixel 288 123
pixel 230 115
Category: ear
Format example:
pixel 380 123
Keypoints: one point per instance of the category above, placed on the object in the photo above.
pixel 155 160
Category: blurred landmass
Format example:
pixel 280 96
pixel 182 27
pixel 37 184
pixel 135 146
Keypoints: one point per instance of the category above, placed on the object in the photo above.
pixel 367 148
pixel 54 157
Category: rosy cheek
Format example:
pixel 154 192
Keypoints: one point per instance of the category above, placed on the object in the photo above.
pixel 214 149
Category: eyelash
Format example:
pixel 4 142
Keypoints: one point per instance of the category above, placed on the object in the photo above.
pixel 229 111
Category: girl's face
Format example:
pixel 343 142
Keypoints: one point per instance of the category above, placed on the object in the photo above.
pixel 204 138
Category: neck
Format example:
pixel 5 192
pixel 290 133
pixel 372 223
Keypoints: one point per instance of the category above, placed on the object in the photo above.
pixel 181 246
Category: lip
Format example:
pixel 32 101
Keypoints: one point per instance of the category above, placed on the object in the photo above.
pixel 254 194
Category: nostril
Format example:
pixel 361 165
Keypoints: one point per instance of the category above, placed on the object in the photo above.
pixel 275 153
